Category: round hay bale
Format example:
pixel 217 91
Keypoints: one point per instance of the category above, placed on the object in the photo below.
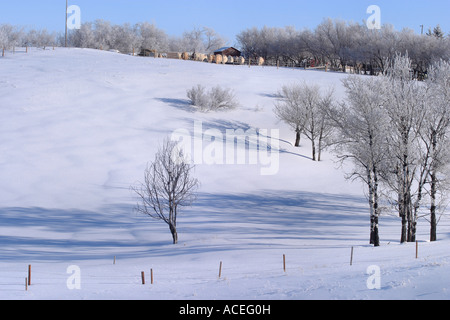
pixel 224 59
pixel 260 61
pixel 230 59
pixel 219 58
pixel 241 60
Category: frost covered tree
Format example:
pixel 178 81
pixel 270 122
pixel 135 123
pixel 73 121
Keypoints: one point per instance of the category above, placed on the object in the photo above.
pixel 405 106
pixel 200 40
pixel 290 109
pixel 360 133
pixel 435 136
pixel 152 37
pixel 10 36
pixel 168 185
pixel 302 107
pixel 83 37
pixel 317 127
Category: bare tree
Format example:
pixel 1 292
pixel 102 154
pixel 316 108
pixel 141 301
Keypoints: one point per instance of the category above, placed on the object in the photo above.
pixel 168 185
pixel 291 111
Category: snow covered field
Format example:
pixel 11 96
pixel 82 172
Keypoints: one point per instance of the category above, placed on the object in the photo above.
pixel 78 127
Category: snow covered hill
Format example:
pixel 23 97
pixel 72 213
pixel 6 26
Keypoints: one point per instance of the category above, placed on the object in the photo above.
pixel 78 127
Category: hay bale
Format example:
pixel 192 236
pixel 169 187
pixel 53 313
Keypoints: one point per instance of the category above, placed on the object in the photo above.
pixel 210 58
pixel 224 59
pixel 241 60
pixel 219 58
pixel 185 56
pixel 199 56
pixel 260 61
pixel 230 59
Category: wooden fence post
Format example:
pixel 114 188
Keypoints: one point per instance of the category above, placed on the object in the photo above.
pixel 220 269
pixel 417 249
pixel 151 276
pixel 351 257
pixel 143 277
pixel 29 274
pixel 284 262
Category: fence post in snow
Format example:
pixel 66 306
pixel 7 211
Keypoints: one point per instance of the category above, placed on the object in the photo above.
pixel 351 257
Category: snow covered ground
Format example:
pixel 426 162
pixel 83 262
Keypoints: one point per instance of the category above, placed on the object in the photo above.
pixel 77 129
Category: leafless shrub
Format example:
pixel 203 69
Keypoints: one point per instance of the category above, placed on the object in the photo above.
pixel 215 100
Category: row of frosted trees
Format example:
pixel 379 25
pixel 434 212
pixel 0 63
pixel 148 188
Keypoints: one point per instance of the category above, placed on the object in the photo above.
pixel 104 35
pixel 341 44
pixel 393 129
pixel 126 37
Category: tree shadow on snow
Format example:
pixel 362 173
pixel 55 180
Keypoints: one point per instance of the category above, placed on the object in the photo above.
pixel 234 221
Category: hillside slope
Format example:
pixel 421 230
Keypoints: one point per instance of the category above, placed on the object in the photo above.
pixel 79 126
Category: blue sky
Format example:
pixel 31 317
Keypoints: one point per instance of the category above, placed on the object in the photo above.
pixel 228 19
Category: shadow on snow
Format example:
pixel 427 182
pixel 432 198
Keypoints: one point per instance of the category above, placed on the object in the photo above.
pixel 216 222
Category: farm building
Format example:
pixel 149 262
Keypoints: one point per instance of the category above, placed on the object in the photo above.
pixel 148 53
pixel 228 51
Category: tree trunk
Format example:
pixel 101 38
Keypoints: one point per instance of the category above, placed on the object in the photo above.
pixel 433 222
pixel 411 219
pixel 320 144
pixel 373 203
pixel 297 137
pixel 313 149
pixel 375 235
pixel 404 227
pixel 173 230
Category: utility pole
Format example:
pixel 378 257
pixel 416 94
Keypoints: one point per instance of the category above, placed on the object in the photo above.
pixel 67 5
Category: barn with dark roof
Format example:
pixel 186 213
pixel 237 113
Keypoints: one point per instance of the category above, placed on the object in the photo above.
pixel 228 51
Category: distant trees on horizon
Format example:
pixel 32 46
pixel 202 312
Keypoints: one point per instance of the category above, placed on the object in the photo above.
pixel 336 43
pixel 341 44
pixel 104 35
